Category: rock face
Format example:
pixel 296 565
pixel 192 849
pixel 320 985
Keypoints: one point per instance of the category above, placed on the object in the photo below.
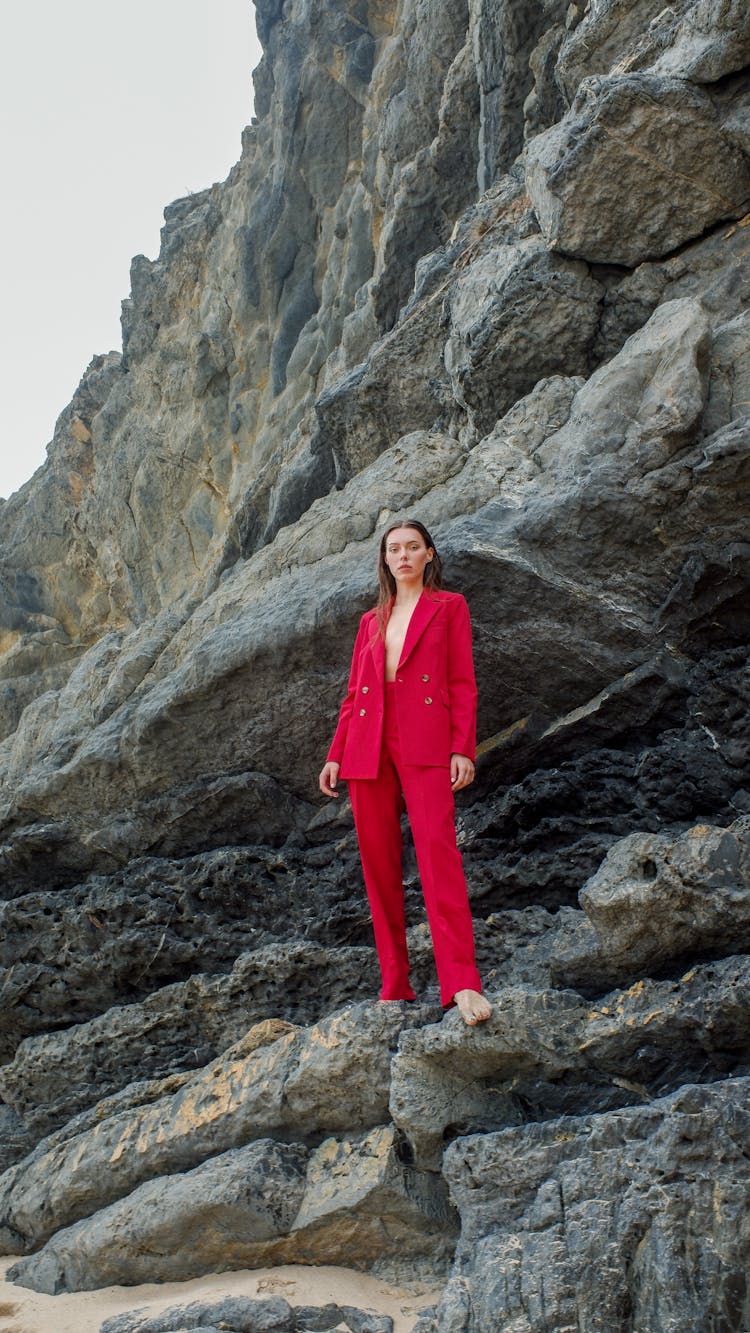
pixel 266 1202
pixel 626 1193
pixel 645 153
pixel 484 263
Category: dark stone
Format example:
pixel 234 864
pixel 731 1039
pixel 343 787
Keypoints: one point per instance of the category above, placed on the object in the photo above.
pixel 239 1314
pixel 570 1222
pixel 317 1318
pixel 368 319
pixel 365 1321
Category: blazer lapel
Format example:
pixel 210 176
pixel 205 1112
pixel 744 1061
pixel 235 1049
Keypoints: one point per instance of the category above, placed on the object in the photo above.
pixel 421 616
pixel 377 648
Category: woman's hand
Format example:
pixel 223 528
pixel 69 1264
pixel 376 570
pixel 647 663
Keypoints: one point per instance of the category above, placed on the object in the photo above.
pixel 328 778
pixel 462 771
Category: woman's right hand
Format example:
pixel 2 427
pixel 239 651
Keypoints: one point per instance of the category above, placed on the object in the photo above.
pixel 328 778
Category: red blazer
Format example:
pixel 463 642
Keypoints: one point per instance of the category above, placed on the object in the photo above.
pixel 436 695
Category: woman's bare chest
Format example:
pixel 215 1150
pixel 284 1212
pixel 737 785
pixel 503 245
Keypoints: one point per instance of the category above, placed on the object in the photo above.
pixel 395 637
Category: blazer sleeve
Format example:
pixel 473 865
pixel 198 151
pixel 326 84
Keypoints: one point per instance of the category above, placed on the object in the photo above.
pixel 462 685
pixel 336 751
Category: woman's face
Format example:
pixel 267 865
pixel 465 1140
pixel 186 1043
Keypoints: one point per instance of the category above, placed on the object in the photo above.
pixel 406 555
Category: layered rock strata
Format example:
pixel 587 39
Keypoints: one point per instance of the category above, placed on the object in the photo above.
pixel 485 264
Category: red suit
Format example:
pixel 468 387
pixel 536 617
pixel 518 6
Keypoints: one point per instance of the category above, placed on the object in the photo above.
pixel 394 743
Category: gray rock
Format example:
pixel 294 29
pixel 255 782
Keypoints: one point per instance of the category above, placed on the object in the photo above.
pixel 550 809
pixel 454 1310
pixel 54 1076
pixel 729 386
pixel 700 40
pixel 362 1199
pixel 117 938
pixel 504 37
pixel 657 902
pixel 711 269
pixel 518 314
pixel 202 1328
pixel 229 1212
pixel 267 1203
pixel 334 1076
pixel 227 641
pixel 545 103
pixel 634 1215
pixel 450 1081
pixel 366 319
pixel 639 165
pixel 426 1323
pixel 548 1053
pixel 366 1321
pixel 705 43
pixel 17 1139
pixel 317 1318
pixel 240 1314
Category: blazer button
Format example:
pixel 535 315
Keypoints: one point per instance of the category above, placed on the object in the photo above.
pixel 365 689
pixel 425 678
pixel 362 712
pixel 428 700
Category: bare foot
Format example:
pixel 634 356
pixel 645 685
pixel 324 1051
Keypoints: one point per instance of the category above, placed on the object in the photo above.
pixel 472 1006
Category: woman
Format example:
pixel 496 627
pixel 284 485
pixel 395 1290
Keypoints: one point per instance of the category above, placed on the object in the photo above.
pixel 406 739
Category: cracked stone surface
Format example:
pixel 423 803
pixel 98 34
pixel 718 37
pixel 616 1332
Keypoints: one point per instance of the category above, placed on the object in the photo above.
pixel 484 263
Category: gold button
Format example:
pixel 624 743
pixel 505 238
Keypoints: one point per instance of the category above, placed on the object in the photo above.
pixel 428 700
pixel 365 689
pixel 425 678
pixel 362 712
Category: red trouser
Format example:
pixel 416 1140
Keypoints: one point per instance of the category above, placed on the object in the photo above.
pixel 378 804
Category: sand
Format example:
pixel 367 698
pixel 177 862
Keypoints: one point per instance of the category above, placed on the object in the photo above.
pixel 24 1311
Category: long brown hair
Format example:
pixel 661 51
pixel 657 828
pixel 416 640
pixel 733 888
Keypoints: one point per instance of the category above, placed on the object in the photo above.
pixel 432 576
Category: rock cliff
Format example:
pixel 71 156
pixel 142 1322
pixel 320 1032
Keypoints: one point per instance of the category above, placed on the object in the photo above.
pixel 485 263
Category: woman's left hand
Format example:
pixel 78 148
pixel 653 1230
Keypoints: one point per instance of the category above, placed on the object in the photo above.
pixel 462 771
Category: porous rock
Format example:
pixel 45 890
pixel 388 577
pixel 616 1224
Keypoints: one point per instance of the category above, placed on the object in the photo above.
pixel 267 1203
pixel 657 902
pixel 579 1220
pixel 180 1027
pixel 332 1076
pixel 369 319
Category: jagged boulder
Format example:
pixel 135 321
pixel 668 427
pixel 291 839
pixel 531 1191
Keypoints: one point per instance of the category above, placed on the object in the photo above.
pixel 639 165
pixel 636 1216
pixel 306 1083
pixel 548 1053
pixel 54 1076
pixel 658 903
pixel 265 1203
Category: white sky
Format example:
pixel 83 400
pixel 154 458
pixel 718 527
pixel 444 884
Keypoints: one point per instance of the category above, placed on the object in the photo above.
pixel 109 110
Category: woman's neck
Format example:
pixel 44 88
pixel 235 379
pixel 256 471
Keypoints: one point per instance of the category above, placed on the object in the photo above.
pixel 409 595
